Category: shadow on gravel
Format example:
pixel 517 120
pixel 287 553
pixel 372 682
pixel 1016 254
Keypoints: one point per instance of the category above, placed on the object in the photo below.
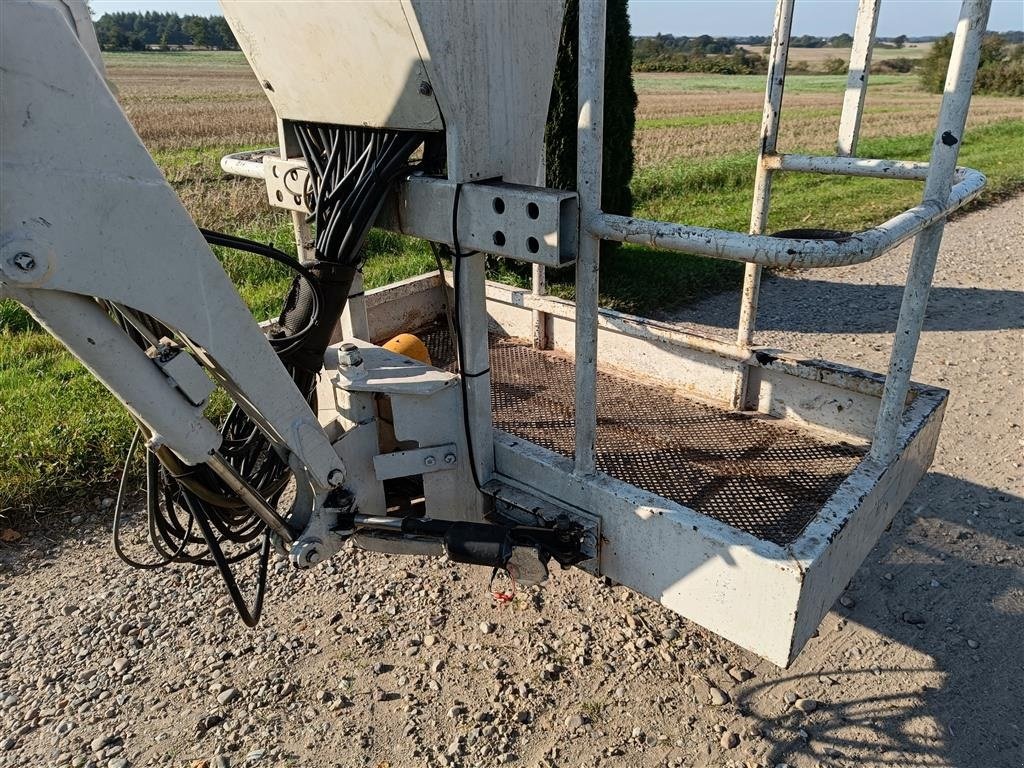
pixel 838 307
pixel 945 581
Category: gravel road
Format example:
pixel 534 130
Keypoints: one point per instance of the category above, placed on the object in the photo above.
pixel 391 661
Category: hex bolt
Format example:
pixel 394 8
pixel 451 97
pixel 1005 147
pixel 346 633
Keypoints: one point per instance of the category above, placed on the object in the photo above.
pixel 449 458
pixel 349 355
pixel 24 261
pixel 335 477
pixel 429 461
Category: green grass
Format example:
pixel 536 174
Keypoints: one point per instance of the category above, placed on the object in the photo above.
pixel 62 435
pixel 748 117
pixel 649 82
pixel 718 193
pixel 204 59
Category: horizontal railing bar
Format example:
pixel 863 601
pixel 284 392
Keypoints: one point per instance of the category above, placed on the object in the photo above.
pixel 242 165
pixel 768 251
pixel 852 166
pixel 788 252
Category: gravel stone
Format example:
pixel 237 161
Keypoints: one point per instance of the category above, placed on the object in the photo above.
pixel 805 705
pixel 729 740
pixel 717 696
pixel 227 696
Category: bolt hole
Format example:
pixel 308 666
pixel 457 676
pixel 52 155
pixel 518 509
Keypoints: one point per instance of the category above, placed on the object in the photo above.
pixel 279 196
pixel 274 170
pixel 297 199
pixel 498 237
pixel 499 205
pixel 532 210
pixel 532 245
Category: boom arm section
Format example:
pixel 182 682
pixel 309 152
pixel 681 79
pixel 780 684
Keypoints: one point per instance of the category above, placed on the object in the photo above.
pixel 86 214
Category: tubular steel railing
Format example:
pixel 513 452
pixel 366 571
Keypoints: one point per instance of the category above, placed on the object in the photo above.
pixel 947 188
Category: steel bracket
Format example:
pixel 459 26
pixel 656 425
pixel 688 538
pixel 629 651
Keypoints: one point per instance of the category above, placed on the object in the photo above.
pixel 532 224
pixel 525 507
pixel 419 461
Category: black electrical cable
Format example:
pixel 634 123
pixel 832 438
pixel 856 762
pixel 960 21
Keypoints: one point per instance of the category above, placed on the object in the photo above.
pixel 282 343
pixel 192 516
pixel 460 350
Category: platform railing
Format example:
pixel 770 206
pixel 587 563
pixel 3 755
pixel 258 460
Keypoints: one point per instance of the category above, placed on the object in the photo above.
pixel 947 188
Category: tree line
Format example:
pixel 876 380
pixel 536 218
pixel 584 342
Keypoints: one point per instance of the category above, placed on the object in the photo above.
pixel 134 31
pixel 723 55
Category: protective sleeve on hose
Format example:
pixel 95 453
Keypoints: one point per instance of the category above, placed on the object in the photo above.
pixel 335 281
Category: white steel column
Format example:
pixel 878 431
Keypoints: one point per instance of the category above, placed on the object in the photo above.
pixel 963 65
pixel 471 305
pixel 589 160
pixel 857 79
pixel 778 58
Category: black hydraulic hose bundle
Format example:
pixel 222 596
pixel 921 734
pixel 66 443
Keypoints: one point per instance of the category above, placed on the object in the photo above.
pixel 192 516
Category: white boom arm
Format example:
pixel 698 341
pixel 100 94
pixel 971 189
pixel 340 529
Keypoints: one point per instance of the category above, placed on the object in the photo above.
pixel 86 214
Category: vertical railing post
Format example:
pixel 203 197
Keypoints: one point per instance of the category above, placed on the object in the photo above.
pixel 589 160
pixel 777 61
pixel 956 99
pixel 539 287
pixel 857 79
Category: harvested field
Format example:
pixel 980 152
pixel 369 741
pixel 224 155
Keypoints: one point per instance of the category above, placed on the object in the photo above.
pixel 815 56
pixel 678 116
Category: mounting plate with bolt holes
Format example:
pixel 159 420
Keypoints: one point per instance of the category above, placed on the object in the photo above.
pixel 516 221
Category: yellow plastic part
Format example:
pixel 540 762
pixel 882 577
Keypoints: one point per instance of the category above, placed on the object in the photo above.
pixel 409 345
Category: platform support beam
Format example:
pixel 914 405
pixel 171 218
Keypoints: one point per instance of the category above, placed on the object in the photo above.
pixel 589 161
pixel 474 363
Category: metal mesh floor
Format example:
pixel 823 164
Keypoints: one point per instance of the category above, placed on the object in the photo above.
pixel 747 471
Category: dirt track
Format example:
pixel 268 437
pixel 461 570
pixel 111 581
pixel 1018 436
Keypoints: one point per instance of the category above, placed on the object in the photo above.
pixel 401 662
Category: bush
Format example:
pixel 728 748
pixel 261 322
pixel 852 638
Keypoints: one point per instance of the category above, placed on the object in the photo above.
pixel 1000 69
pixel 619 110
pixel 835 66
pixel 900 65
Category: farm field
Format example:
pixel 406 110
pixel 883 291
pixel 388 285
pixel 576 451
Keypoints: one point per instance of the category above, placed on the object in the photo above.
pixel 815 56
pixel 695 149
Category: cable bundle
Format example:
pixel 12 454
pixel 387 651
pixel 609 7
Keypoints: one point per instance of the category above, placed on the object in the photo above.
pixel 192 516
pixel 350 171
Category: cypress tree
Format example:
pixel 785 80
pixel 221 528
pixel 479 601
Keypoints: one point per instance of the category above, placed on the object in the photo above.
pixel 619 110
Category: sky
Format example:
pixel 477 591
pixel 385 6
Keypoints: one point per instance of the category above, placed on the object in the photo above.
pixel 720 17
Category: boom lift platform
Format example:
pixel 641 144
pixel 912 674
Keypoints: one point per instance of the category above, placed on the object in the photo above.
pixel 739 486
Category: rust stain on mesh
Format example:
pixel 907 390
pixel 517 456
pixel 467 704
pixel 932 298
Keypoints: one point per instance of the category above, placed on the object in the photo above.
pixel 748 472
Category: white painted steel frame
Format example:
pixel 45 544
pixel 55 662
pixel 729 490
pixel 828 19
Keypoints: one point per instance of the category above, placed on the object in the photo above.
pixel 956 100
pixel 589 162
pixel 857 77
pixel 947 188
pixel 766 597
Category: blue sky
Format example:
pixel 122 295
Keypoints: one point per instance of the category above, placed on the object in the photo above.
pixel 721 17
